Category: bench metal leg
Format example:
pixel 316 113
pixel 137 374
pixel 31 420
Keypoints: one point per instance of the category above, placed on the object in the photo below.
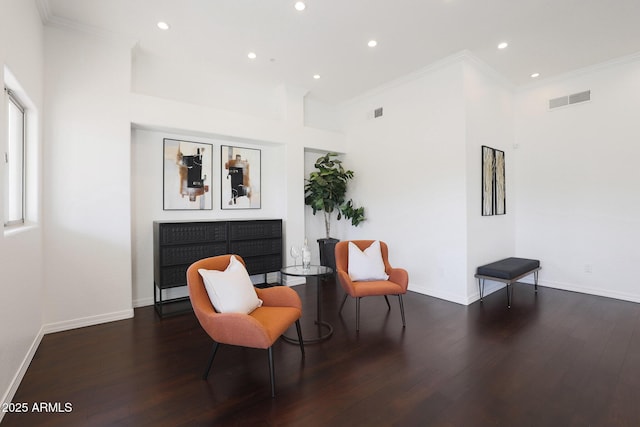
pixel 535 280
pixel 481 288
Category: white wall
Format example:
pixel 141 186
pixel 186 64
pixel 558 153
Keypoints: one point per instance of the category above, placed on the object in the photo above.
pixel 318 114
pixel 577 179
pixel 21 257
pixel 489 121
pixel 202 86
pixel 418 172
pixel 87 179
pixel 410 176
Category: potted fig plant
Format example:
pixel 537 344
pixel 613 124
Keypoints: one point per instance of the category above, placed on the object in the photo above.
pixel 325 191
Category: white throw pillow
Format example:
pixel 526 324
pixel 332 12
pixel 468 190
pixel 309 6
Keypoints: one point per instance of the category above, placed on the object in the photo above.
pixel 231 291
pixel 366 265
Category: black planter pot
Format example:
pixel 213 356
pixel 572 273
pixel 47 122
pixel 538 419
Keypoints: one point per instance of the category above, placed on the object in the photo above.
pixel 328 252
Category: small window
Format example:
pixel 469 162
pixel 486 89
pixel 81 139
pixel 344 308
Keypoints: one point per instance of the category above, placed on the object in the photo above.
pixel 14 161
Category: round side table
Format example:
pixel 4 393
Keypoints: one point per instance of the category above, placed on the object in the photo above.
pixel 316 271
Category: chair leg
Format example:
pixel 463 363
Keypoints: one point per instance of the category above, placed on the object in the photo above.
pixel 402 310
pixel 358 313
pixel 387 300
pixel 213 354
pixel 343 301
pixel 299 330
pixel 271 373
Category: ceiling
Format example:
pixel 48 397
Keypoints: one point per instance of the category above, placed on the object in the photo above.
pixel 329 37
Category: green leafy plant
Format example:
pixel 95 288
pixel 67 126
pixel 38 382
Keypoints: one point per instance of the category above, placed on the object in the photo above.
pixel 325 191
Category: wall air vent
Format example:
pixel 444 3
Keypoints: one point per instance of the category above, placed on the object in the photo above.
pixel 377 113
pixel 575 98
pixel 580 97
pixel 558 102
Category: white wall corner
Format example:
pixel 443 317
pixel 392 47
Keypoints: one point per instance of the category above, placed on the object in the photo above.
pixel 293 104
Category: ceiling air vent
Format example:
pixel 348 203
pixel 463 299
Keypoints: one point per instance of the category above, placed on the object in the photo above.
pixel 576 98
pixel 377 113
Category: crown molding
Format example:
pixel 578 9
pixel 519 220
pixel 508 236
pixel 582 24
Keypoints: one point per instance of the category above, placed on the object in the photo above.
pixel 44 10
pixel 50 19
pixel 456 58
pixel 489 71
pixel 407 78
pixel 595 68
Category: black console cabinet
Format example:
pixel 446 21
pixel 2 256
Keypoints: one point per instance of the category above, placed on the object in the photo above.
pixel 176 245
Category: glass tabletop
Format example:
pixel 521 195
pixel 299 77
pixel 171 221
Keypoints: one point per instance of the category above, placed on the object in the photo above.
pixel 313 270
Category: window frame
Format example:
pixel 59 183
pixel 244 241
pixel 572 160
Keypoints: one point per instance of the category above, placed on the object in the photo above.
pixel 14 101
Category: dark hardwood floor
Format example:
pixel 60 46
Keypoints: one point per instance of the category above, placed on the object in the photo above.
pixel 554 359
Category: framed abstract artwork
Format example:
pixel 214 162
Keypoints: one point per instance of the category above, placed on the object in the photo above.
pixel 500 202
pixel 493 182
pixel 240 180
pixel 187 172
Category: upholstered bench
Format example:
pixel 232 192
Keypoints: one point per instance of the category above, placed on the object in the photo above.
pixel 509 271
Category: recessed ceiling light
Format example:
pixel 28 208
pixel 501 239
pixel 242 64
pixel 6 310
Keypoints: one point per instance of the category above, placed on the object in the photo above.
pixel 251 55
pixel 300 6
pixel 503 45
pixel 316 76
pixel 372 43
pixel 163 25
pixel 534 75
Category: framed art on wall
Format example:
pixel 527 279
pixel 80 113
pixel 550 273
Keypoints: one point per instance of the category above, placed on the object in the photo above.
pixel 493 182
pixel 500 202
pixel 187 172
pixel 240 180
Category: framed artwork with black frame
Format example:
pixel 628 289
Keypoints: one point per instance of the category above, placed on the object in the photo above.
pixel 493 182
pixel 240 185
pixel 187 171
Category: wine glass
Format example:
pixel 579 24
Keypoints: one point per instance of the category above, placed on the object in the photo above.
pixel 295 253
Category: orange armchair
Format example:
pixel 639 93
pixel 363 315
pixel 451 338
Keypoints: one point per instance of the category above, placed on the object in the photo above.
pixel 281 308
pixel 396 284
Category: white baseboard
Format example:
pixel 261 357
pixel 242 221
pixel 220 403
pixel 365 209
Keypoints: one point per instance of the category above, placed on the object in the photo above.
pixel 51 328
pixel 142 302
pixel 489 288
pixel 17 378
pixel 493 286
pixel 591 291
pixel 447 296
pixel 87 321
pixel 293 280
